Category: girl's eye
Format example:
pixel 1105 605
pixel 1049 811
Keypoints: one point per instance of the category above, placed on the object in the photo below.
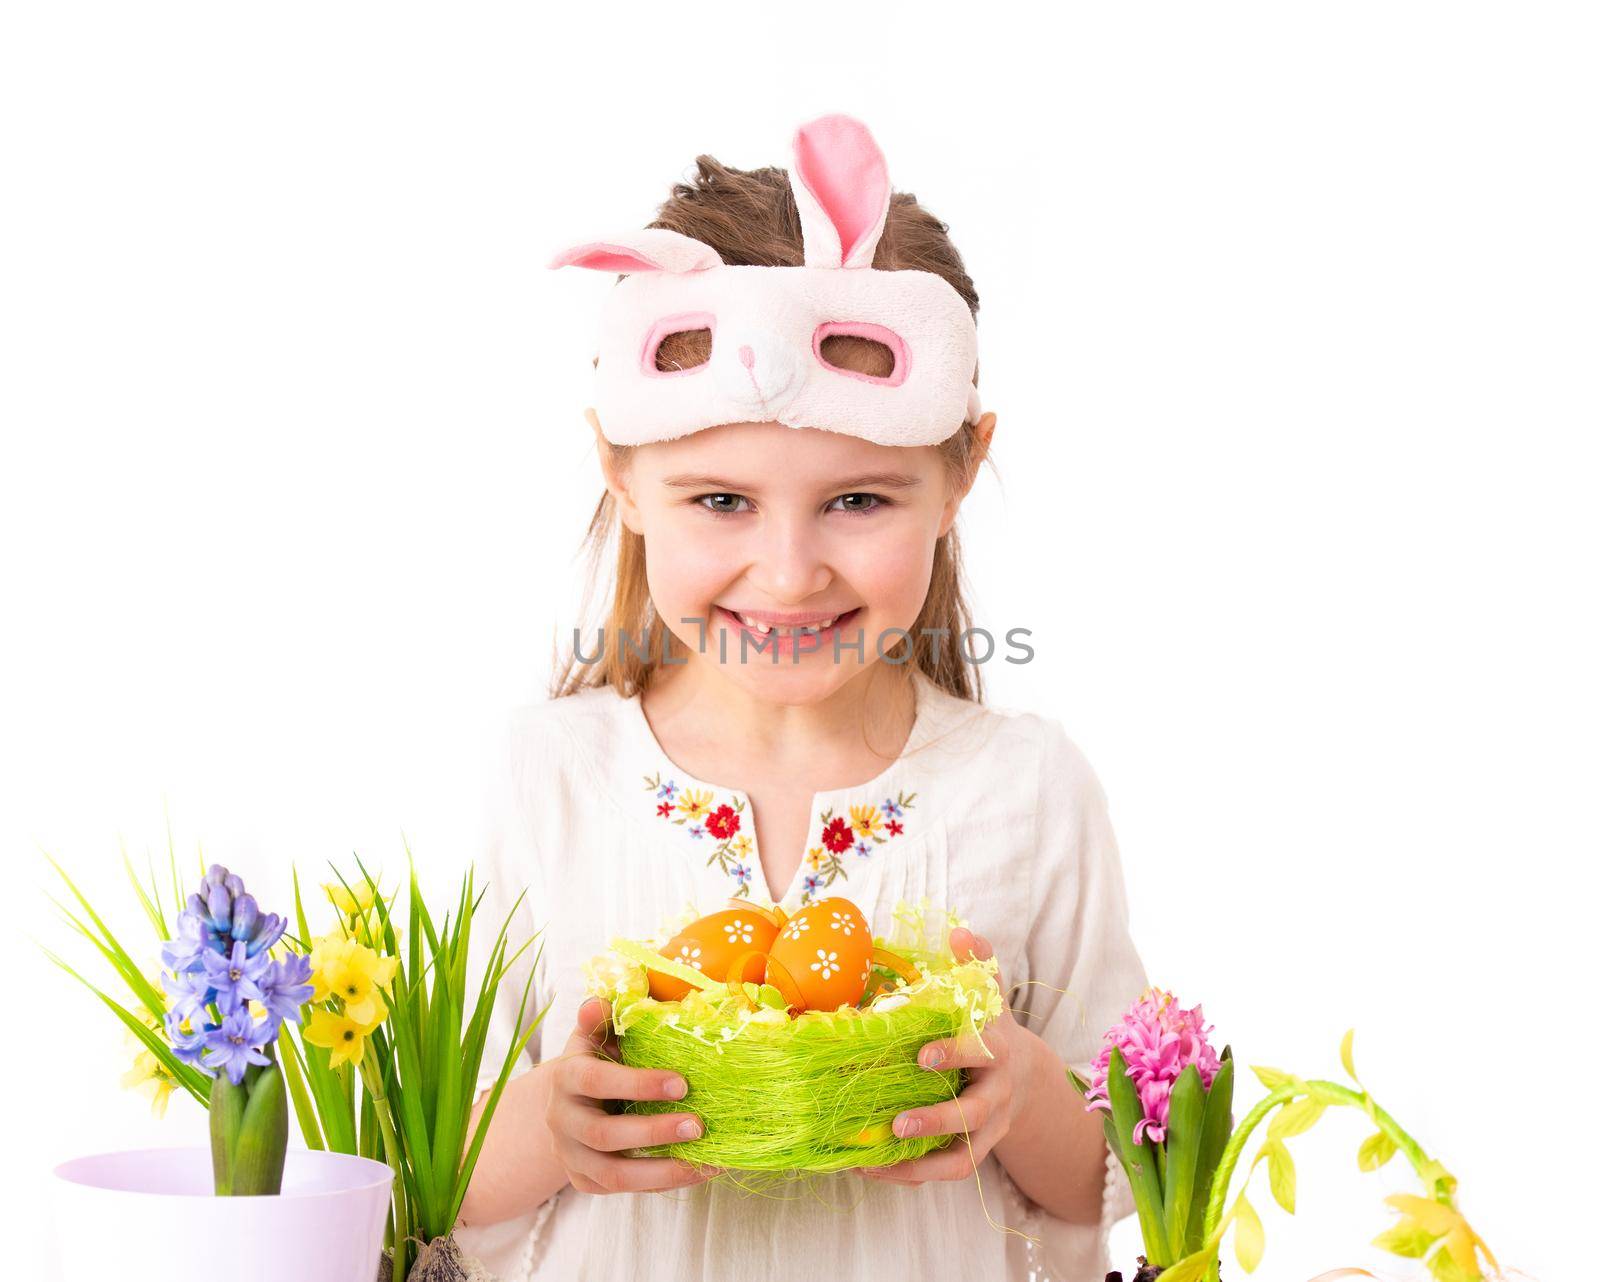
pixel 861 504
pixel 851 504
pixel 721 504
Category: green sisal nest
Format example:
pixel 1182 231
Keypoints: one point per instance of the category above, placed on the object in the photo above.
pixel 817 1091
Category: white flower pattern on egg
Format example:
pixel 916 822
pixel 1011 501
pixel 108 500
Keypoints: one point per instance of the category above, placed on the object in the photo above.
pixel 738 930
pixel 797 927
pixel 690 957
pixel 827 964
pixel 842 922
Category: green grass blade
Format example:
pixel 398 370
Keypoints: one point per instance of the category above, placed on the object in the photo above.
pixel 300 913
pixel 191 1079
pixel 117 958
pixel 513 1053
pixel 331 1094
pixel 294 1076
pixel 145 902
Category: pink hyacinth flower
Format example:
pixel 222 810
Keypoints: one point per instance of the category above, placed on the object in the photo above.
pixel 1158 1040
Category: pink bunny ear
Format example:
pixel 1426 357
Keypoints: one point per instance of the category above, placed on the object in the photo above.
pixel 648 249
pixel 841 185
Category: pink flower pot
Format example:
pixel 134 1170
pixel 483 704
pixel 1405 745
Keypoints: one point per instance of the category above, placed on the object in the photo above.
pixel 150 1216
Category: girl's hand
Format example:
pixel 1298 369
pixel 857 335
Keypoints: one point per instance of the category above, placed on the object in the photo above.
pixel 586 1137
pixel 996 1094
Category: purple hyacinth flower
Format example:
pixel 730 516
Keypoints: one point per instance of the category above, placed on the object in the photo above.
pixel 245 915
pixel 219 909
pixel 269 930
pixel 190 993
pixel 183 952
pixel 189 1046
pixel 236 977
pixel 236 1045
pixel 286 987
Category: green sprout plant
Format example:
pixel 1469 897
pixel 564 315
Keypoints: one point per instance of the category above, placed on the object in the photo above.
pixel 377 1046
pixel 1166 1097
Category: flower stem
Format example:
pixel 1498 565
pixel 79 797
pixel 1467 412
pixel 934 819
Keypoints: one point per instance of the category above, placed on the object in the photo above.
pixel 1333 1093
pixel 399 1248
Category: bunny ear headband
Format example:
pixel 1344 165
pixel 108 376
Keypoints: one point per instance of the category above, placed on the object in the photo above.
pixel 767 323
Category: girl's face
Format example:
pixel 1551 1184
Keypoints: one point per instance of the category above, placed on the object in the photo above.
pixel 757 525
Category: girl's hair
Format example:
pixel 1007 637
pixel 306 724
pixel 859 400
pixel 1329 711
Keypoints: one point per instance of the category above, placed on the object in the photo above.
pixel 749 217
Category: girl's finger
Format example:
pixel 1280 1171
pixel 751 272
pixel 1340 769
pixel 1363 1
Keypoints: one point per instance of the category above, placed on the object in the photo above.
pixel 964 1115
pixel 638 1174
pixel 594 1022
pixel 604 1132
pixel 964 1052
pixel 592 1077
pixel 958 1162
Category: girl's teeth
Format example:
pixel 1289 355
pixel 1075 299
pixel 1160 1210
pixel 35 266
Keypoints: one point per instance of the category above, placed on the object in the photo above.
pixel 765 628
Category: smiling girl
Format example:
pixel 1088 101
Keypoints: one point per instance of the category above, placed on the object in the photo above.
pixel 787 705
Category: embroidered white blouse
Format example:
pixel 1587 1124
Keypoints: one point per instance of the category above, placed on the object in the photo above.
pixel 992 813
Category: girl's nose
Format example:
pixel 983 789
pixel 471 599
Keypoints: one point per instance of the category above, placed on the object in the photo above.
pixel 791 568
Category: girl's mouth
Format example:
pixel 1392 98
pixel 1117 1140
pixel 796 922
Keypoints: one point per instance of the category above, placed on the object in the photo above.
pixel 786 640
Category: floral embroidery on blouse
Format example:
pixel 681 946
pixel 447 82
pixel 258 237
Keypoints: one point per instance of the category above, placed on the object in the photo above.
pixel 699 813
pixel 868 826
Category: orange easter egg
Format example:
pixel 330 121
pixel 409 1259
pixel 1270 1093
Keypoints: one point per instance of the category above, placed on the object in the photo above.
pixel 822 956
pixel 710 944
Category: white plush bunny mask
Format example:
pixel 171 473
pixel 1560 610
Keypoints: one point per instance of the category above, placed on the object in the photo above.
pixel 767 323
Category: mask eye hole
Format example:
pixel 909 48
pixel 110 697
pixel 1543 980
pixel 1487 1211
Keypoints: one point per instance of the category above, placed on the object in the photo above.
pixel 683 349
pixel 678 344
pixel 871 353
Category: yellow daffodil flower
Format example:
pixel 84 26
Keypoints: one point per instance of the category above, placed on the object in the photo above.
pixel 148 1073
pixel 357 898
pixel 324 953
pixel 358 977
pixel 344 1039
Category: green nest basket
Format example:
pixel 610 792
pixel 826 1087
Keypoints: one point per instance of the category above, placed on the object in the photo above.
pixel 818 1091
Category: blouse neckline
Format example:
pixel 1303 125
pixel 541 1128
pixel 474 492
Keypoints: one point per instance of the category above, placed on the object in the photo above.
pixel 849 827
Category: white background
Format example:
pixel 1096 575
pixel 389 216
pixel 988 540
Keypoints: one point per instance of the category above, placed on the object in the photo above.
pixel 1289 319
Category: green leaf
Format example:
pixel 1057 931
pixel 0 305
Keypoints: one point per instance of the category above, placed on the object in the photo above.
pixel 1192 1268
pixel 1295 1118
pixel 263 1137
pixel 1433 1174
pixel 1138 1160
pixel 1249 1238
pixel 1186 1111
pixel 1347 1054
pixel 1272 1078
pixel 1280 1173
pixel 1407 1238
pixel 1444 1267
pixel 1218 1129
pixel 1375 1150
pixel 228 1101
